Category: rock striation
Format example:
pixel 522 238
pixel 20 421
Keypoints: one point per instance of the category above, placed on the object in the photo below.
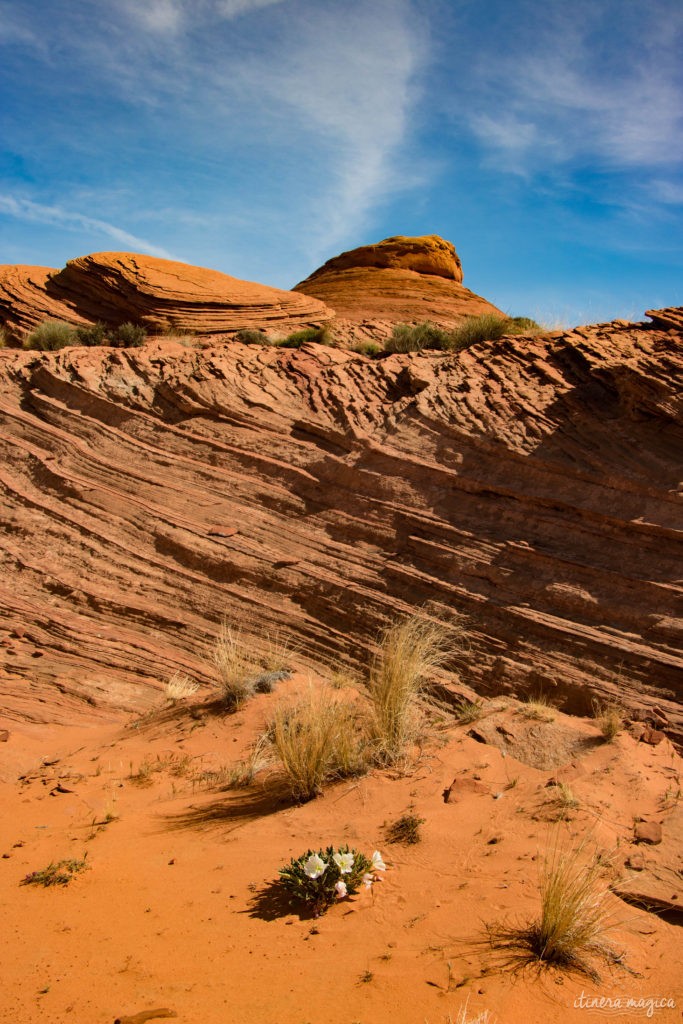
pixel 399 280
pixel 162 295
pixel 528 487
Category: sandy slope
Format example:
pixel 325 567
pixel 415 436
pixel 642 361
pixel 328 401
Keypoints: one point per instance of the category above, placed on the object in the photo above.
pixel 177 909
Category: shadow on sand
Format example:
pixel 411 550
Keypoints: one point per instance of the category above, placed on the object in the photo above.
pixel 231 812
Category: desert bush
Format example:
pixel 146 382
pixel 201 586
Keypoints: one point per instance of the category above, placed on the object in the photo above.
pixel 574 918
pixel 319 335
pixel 250 336
pixel 415 337
pixel 50 336
pixel 316 739
pixel 523 325
pixel 487 327
pixel 127 335
pixel 319 879
pixel 92 335
pixel 367 348
pixel 408 652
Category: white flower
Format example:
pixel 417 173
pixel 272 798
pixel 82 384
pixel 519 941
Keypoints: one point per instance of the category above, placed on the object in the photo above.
pixel 344 862
pixel 368 879
pixel 314 866
pixel 377 864
pixel 340 889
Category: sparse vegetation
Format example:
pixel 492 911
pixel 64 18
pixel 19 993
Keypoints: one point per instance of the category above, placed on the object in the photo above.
pixel 562 799
pixel 319 335
pixel 574 917
pixel 127 335
pixel 58 872
pixel 468 711
pixel 408 652
pixel 252 336
pixel 50 336
pixel 92 335
pixel 406 829
pixel 484 1017
pixel 367 348
pixel 538 709
pixel 487 327
pixel 609 719
pixel 241 671
pixel 415 337
pixel 316 739
pixel 180 686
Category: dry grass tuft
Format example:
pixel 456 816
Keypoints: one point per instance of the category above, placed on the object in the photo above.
pixel 609 720
pixel 180 686
pixel 409 651
pixel 484 1017
pixel 573 922
pixel 241 671
pixel 406 829
pixel 538 709
pixel 317 739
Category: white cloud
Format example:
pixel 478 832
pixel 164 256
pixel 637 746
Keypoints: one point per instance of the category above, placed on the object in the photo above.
pixel 24 209
pixel 233 8
pixel 347 78
pixel 586 89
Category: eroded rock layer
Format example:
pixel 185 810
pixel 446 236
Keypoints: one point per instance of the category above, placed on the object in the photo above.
pixel 528 487
pixel 398 280
pixel 115 287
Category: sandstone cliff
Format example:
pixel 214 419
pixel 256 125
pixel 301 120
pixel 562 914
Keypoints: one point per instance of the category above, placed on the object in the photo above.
pixel 528 486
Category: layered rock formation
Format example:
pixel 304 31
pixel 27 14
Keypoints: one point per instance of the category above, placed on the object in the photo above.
pixel 159 294
pixel 399 280
pixel 528 487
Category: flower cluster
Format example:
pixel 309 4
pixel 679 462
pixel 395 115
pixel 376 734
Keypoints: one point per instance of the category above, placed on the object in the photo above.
pixel 320 879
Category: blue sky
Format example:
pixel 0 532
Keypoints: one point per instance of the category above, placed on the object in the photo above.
pixel 261 137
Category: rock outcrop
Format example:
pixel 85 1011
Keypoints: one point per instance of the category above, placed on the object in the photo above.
pixel 399 280
pixel 528 487
pixel 115 287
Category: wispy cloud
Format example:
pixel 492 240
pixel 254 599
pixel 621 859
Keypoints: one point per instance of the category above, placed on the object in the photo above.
pixel 566 99
pixel 24 209
pixel 347 78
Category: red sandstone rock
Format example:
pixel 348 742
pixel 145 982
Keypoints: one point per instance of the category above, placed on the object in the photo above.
pixel 398 280
pixel 160 294
pixel 360 489
pixel 652 736
pixel 648 832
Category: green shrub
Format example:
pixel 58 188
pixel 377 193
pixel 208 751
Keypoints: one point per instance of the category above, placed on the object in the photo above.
pixel 50 336
pixel 367 348
pixel 321 878
pixel 415 337
pixel 319 335
pixel 488 327
pixel 249 336
pixel 92 335
pixel 127 335
pixel 523 325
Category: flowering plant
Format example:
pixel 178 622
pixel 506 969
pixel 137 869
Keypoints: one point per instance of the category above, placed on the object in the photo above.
pixel 323 877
